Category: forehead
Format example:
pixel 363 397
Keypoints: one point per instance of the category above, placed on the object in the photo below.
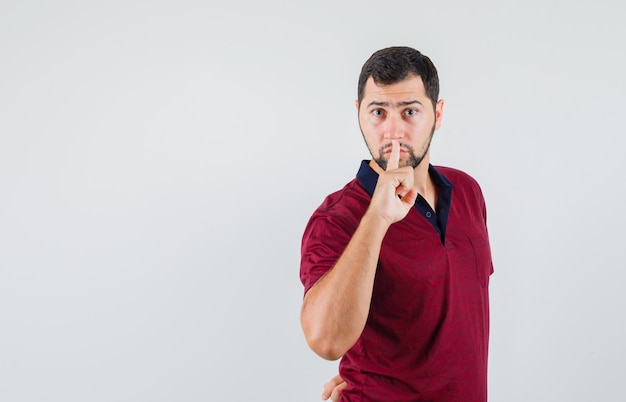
pixel 411 87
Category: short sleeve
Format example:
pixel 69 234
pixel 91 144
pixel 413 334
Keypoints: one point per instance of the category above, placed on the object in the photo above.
pixel 324 240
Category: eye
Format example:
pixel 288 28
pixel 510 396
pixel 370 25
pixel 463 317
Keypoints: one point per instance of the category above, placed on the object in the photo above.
pixel 410 112
pixel 378 112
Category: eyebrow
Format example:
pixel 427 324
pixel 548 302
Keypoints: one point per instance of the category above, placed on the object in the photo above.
pixel 405 103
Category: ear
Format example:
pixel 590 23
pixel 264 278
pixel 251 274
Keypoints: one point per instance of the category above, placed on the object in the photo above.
pixel 438 113
pixel 356 103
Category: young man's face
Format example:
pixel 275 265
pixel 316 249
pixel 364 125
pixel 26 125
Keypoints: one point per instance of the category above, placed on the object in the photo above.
pixel 400 111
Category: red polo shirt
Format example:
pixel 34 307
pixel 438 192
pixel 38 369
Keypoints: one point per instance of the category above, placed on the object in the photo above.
pixel 426 337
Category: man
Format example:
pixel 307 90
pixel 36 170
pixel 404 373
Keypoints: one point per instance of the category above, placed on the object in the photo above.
pixel 396 265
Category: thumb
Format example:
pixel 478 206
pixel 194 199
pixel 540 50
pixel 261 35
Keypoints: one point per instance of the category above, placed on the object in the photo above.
pixel 409 197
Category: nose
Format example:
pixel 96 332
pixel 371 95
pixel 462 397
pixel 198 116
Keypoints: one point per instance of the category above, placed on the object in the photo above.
pixel 393 129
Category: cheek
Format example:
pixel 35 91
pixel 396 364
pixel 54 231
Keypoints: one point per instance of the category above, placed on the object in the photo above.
pixel 368 129
pixel 372 140
pixel 367 121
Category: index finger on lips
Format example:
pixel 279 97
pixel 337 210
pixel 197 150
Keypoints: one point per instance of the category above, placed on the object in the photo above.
pixel 394 157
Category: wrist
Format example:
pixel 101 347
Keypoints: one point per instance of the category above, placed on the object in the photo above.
pixel 375 220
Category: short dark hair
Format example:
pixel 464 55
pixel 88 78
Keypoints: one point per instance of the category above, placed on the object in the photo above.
pixel 393 64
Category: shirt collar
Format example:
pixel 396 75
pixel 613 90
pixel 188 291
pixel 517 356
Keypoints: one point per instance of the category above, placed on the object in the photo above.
pixel 368 177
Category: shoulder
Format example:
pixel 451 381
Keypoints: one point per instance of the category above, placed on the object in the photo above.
pixel 342 208
pixel 348 197
pixel 456 175
pixel 458 178
pixel 467 190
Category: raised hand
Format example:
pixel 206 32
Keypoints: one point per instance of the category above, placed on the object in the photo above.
pixel 394 194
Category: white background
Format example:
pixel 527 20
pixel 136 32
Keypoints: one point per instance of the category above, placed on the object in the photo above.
pixel 159 160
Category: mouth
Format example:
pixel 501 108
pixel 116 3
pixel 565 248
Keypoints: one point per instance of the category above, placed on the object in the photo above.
pixel 386 150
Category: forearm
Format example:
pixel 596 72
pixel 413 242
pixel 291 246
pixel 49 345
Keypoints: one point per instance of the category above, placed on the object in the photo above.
pixel 336 308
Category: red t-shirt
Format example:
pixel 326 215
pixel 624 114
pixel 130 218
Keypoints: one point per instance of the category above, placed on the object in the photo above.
pixel 426 337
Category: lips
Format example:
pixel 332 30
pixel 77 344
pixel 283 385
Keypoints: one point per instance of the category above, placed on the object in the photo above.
pixel 385 150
